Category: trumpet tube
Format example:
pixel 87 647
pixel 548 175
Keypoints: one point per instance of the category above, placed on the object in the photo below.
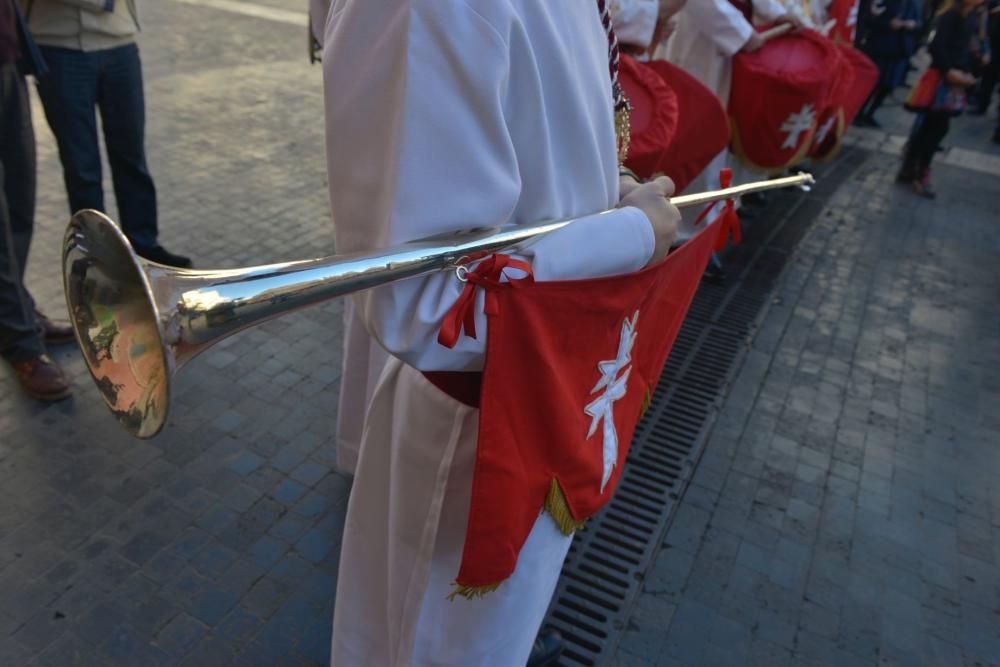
pixel 138 322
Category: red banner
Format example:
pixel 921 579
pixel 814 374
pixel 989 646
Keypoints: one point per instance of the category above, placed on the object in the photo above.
pixel 570 367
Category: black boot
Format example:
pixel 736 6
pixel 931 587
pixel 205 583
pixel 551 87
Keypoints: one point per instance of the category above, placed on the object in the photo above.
pixel 161 255
pixel 546 650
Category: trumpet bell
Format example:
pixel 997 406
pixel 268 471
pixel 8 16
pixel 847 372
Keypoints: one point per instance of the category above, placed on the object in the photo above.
pixel 116 321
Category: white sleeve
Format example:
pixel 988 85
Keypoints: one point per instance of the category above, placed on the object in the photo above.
pixel 720 22
pixel 768 10
pixel 635 21
pixel 444 162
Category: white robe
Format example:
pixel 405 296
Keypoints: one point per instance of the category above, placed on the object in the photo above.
pixel 318 11
pixel 443 115
pixel 635 21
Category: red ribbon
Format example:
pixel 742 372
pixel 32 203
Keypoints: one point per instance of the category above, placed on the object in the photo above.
pixel 729 219
pixel 489 273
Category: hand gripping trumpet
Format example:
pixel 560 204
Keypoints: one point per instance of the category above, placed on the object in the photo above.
pixel 138 322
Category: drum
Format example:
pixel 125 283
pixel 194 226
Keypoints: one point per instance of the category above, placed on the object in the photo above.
pixel 677 131
pixel 854 78
pixel 653 119
pixel 844 14
pixel 777 95
pixel 702 126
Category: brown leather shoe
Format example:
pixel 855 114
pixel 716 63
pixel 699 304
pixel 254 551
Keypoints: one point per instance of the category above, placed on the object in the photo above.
pixel 42 378
pixel 56 333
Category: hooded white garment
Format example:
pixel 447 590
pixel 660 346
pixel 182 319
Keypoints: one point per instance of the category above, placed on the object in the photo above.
pixel 444 115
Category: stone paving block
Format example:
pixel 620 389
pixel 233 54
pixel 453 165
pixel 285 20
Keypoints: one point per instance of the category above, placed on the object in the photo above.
pixel 181 635
pixel 66 651
pixel 264 597
pixel 211 651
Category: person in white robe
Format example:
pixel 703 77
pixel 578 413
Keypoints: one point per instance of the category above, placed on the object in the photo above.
pixel 443 115
pixel 644 25
pixel 363 357
pixel 708 34
pixel 810 13
pixel 317 13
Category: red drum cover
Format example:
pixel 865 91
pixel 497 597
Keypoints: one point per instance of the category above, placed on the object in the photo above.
pixel 776 97
pixel 844 13
pixel 702 126
pixel 865 78
pixel 854 77
pixel 653 119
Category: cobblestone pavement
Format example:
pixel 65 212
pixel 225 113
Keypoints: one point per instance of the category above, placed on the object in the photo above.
pixel 217 542
pixel 846 510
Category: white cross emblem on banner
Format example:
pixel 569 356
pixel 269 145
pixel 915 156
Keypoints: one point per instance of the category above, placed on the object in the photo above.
pixel 796 124
pixel 615 386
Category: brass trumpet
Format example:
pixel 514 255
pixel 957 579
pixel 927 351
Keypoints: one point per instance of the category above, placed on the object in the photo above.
pixel 138 322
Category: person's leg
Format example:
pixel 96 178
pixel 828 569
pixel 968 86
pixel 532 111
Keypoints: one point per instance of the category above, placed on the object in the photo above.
pixel 877 98
pixel 986 86
pixel 123 114
pixel 69 94
pixel 926 142
pixel 21 334
pixel 914 147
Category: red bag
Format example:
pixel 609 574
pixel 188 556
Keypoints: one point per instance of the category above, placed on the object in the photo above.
pixel 922 94
pixel 570 367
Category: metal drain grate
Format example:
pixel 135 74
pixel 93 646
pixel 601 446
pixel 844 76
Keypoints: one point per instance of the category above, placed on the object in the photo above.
pixel 605 566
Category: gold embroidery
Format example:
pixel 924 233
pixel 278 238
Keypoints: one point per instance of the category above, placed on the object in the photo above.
pixel 647 401
pixel 623 132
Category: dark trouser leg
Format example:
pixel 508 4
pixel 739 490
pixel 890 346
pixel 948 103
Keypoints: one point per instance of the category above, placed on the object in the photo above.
pixel 20 333
pixel 123 113
pixel 69 96
pixel 876 99
pixel 925 140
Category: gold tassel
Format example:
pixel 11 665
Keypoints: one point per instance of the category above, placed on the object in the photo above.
pixel 473 592
pixel 647 401
pixel 555 505
pixel 623 132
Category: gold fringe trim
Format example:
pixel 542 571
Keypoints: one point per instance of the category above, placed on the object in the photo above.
pixel 555 505
pixel 473 592
pixel 647 401
pixel 623 132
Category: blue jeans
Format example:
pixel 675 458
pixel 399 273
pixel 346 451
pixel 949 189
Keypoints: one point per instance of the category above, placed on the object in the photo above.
pixel 110 81
pixel 20 333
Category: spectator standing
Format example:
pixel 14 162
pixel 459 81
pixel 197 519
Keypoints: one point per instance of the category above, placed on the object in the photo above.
pixel 991 72
pixel 891 41
pixel 23 331
pixel 90 48
pixel 951 54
